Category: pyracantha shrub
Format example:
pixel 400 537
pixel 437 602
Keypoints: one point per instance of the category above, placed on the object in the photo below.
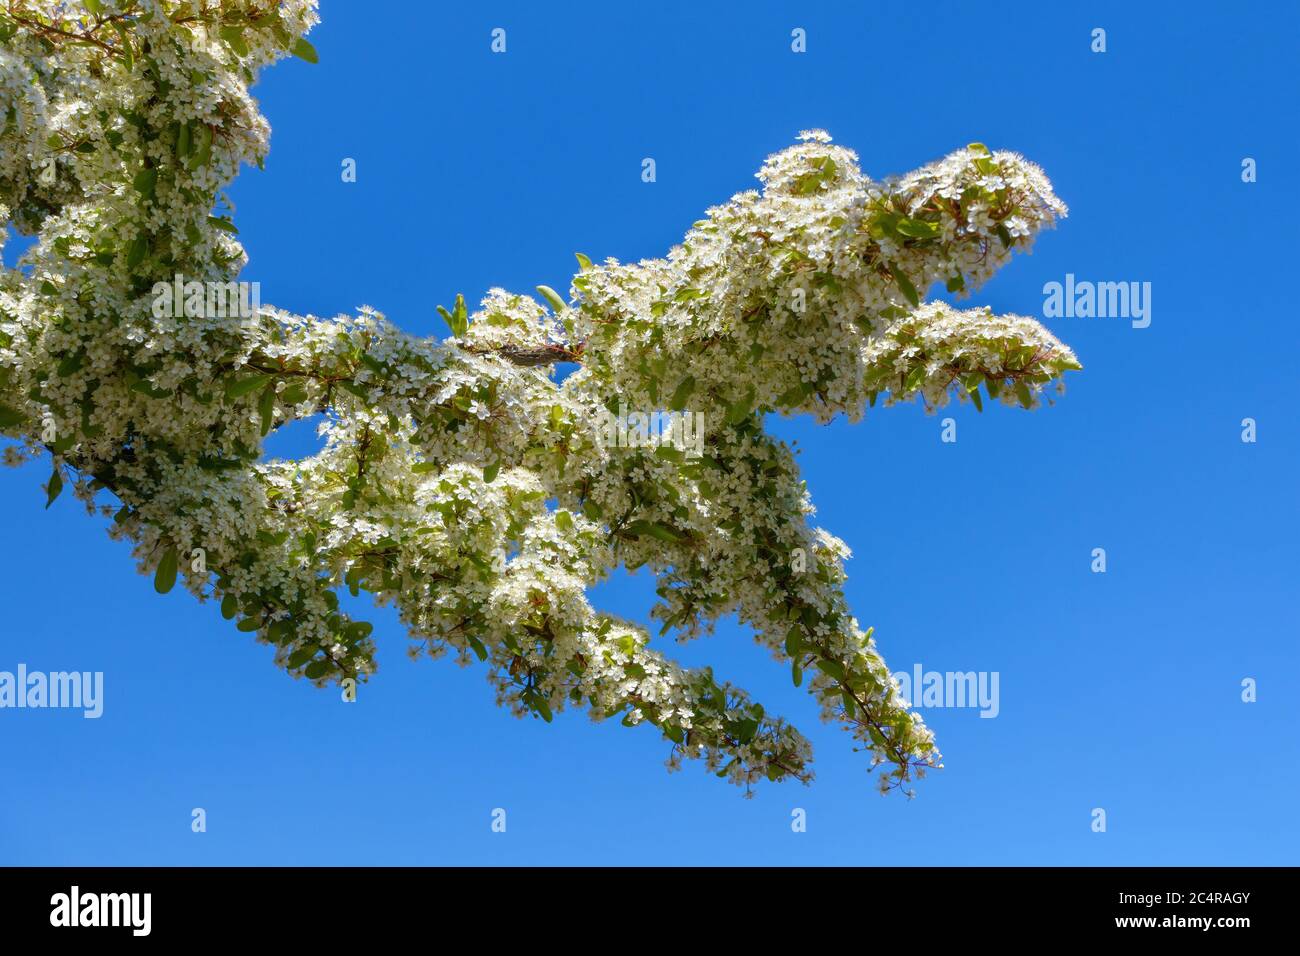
pixel 461 481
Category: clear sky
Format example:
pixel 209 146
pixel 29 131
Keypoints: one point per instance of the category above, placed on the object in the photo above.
pixel 1119 691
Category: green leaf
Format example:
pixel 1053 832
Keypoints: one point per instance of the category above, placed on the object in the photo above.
pixel 793 643
pixel 229 606
pixel 235 37
pixel 479 650
pixel 808 184
pixel 266 407
pixel 905 286
pixel 294 393
pixel 740 410
pixel 224 224
pixel 551 296
pixel 9 417
pixel 917 228
pixel 795 395
pixel 583 262
pixel 682 393
pixel 70 364
pixel 448 318
pixel 460 317
pixel 914 378
pixel 663 532
pixel 239 387
pixel 302 655
pixel 135 253
pixel 491 471
pixel 144 387
pixel 796 674
pixel 201 148
pixel 146 180
pixel 850 706
pixel 832 669
pixel 1022 393
pixel 304 50
pixel 655 530
pixel 165 576
pixel 54 487
pixel 542 707
pixel 318 669
pixel 95 6
pixel 564 521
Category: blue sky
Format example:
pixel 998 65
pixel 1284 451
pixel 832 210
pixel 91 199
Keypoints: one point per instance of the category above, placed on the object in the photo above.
pixel 1119 690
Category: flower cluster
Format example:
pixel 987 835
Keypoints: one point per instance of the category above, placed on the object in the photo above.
pixel 459 481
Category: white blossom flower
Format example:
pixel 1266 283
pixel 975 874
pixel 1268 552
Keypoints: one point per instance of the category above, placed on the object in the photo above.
pixel 459 481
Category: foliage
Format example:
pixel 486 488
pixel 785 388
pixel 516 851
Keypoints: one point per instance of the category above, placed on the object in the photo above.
pixel 459 480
